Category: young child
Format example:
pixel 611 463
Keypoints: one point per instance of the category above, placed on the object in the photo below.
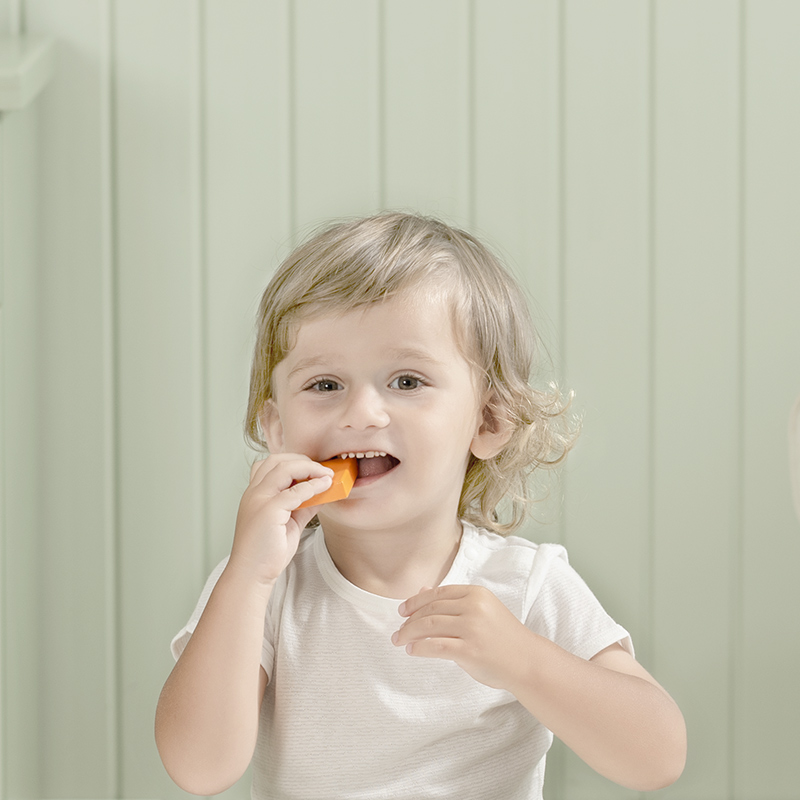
pixel 402 647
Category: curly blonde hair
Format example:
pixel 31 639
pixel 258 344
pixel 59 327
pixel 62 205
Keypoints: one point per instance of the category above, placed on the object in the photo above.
pixel 358 262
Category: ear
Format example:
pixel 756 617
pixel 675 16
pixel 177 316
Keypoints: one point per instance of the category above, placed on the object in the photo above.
pixel 493 432
pixel 271 426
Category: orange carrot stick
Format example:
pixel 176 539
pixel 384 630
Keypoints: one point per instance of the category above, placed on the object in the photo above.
pixel 345 472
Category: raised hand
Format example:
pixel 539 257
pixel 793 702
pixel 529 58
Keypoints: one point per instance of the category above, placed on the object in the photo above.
pixel 464 624
pixel 269 521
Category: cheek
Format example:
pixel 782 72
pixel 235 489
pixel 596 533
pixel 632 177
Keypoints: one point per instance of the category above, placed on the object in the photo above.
pixel 282 428
pixel 466 417
pixel 452 429
pixel 305 424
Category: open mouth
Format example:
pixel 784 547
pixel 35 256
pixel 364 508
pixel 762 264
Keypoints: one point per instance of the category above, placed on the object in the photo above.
pixel 372 463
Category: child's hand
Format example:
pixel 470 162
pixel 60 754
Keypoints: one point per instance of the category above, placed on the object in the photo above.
pixel 608 710
pixel 269 522
pixel 465 624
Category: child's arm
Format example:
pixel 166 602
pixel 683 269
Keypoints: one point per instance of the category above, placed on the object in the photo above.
pixel 207 716
pixel 609 710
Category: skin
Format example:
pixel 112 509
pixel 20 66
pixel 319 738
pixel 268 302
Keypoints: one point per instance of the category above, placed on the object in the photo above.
pixel 391 378
pixel 609 710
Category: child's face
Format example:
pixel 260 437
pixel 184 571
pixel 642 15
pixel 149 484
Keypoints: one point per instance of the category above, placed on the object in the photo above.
pixel 388 379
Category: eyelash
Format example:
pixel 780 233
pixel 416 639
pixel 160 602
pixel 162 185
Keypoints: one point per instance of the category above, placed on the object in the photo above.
pixel 314 385
pixel 420 381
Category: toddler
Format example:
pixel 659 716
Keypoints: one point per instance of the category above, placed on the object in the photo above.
pixel 396 643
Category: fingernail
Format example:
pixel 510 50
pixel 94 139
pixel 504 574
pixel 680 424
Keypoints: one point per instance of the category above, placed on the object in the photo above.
pixel 402 608
pixel 395 637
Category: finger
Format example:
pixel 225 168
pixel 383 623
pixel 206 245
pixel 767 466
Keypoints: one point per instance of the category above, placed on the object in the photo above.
pixel 295 495
pixel 429 627
pixel 261 467
pixel 285 472
pixel 456 607
pixel 440 647
pixel 407 607
pixel 302 516
pixel 426 596
pixel 265 466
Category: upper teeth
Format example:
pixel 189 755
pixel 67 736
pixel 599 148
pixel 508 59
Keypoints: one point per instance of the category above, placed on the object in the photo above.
pixel 368 454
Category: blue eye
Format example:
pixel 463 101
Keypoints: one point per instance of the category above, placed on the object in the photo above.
pixel 406 383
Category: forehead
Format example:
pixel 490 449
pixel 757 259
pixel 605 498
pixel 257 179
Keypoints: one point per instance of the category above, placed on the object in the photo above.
pixel 401 328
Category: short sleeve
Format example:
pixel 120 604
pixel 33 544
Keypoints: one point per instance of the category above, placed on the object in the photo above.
pixel 181 638
pixel 179 641
pixel 563 608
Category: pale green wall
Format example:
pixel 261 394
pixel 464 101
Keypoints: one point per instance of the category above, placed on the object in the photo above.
pixel 637 160
pixel 21 609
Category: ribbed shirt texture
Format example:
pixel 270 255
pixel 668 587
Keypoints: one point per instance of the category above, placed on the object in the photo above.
pixel 346 714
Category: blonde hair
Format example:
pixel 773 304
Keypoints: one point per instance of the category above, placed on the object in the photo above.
pixel 359 262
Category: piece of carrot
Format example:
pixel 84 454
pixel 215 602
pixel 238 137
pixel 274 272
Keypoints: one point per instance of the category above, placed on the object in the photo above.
pixel 345 472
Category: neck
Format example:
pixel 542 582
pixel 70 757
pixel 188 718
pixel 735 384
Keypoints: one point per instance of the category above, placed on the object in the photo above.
pixel 394 563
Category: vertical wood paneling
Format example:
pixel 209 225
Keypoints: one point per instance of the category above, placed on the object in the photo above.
pixel 336 69
pixel 426 107
pixel 11 17
pixel 4 28
pixel 23 492
pixel 517 143
pixel 161 445
pixel 606 313
pixel 247 224
pixel 112 635
pixel 16 24
pixel 247 227
pixel 696 373
pixel 516 184
pixel 78 516
pixel 768 699
pixel 517 197
pixel 3 557
pixel 606 171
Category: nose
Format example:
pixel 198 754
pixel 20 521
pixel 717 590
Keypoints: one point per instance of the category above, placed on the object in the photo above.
pixel 364 408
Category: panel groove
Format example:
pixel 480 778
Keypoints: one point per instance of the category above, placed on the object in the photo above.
pixel 291 117
pixel 199 206
pixel 561 90
pixel 737 556
pixel 380 101
pixel 16 17
pixel 649 566
pixel 109 212
pixel 471 112
pixel 559 762
pixel 3 549
pixel 652 144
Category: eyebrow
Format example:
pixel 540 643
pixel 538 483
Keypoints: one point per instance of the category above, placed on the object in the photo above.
pixel 307 363
pixel 396 354
pixel 412 354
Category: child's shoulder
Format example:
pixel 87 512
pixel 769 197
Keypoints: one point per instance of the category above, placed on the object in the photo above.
pixel 477 541
pixel 512 568
pixel 508 559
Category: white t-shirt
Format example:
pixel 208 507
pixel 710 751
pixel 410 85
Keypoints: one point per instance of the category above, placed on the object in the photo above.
pixel 346 714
